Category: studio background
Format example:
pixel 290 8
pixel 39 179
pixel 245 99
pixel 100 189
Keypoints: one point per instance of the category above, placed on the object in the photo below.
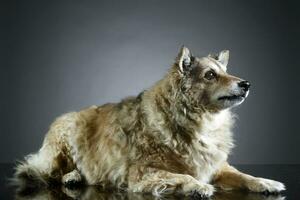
pixel 61 56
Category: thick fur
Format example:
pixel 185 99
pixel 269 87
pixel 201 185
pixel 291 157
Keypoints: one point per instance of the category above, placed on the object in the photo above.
pixel 172 138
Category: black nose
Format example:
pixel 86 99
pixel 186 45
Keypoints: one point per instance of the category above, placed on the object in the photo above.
pixel 245 85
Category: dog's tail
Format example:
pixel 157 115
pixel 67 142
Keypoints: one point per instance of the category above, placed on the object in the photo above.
pixel 34 172
pixel 28 176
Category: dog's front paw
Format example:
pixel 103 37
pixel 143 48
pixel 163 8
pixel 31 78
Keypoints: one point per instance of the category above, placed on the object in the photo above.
pixel 198 191
pixel 265 185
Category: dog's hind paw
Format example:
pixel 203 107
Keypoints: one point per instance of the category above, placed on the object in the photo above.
pixel 72 179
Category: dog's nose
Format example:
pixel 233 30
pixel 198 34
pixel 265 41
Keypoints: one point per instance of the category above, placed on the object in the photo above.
pixel 245 85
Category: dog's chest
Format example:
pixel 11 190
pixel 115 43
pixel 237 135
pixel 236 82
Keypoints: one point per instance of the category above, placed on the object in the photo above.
pixel 211 146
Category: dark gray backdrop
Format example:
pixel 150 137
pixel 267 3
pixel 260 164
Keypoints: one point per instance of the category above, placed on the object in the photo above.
pixel 61 56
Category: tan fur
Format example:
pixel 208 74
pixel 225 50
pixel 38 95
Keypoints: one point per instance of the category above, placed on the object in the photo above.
pixel 170 138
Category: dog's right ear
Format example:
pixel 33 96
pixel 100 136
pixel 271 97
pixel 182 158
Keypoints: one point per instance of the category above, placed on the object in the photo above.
pixel 184 59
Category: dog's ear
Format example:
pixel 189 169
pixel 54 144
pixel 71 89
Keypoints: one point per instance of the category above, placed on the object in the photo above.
pixel 222 57
pixel 184 59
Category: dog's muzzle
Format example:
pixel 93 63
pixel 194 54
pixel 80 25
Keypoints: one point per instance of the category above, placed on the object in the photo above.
pixel 244 91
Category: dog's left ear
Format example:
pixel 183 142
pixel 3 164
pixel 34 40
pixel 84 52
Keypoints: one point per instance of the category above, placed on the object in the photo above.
pixel 222 57
pixel 184 59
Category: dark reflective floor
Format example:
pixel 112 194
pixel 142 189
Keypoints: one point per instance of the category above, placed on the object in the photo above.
pixel 288 174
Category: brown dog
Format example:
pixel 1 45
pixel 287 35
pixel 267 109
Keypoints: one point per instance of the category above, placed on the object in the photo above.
pixel 173 138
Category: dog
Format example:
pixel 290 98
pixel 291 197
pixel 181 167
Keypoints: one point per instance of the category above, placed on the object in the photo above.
pixel 173 138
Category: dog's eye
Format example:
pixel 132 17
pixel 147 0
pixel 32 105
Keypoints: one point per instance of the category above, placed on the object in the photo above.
pixel 210 75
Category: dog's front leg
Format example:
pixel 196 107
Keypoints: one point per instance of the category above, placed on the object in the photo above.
pixel 160 182
pixel 230 178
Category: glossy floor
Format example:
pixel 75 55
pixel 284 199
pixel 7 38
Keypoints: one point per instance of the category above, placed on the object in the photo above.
pixel 288 174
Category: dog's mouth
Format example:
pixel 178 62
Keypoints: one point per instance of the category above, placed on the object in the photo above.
pixel 232 97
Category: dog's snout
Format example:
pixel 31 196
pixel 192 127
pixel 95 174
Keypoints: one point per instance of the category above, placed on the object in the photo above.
pixel 245 85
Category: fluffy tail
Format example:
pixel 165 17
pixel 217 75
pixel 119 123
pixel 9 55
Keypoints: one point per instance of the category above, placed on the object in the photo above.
pixel 47 166
pixel 35 171
pixel 28 176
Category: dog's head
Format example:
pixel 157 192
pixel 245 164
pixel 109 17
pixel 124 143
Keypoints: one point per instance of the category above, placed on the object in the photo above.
pixel 206 83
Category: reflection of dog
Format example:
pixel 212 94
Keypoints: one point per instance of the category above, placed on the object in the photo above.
pixel 173 138
pixel 93 193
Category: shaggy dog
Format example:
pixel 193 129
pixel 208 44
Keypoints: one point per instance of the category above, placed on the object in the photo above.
pixel 172 138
